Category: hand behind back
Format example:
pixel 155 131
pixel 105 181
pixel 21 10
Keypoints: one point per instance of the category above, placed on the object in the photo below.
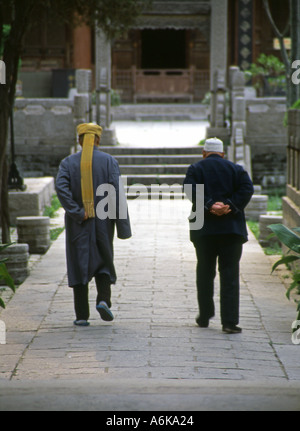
pixel 220 209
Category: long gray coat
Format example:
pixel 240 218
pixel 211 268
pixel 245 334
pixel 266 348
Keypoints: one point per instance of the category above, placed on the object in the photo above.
pixel 89 244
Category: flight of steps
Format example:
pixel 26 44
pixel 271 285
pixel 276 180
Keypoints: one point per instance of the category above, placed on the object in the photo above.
pixel 158 170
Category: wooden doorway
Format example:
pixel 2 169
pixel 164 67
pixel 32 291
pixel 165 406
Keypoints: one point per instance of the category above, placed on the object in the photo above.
pixel 163 49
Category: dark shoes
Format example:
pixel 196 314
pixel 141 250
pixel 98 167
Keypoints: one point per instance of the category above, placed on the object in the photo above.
pixel 104 311
pixel 231 329
pixel 227 328
pixel 203 323
pixel 81 323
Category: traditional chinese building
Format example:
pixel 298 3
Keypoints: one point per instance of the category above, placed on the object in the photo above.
pixel 169 54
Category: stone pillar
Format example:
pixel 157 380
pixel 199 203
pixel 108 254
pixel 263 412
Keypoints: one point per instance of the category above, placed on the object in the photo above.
pixel 34 231
pixel 82 100
pixel 103 87
pixel 218 37
pixel 238 151
pixel 264 232
pixel 2 72
pixel 17 256
pixel 218 68
pixel 2 332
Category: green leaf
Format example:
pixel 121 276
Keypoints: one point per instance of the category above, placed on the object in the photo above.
pixel 4 275
pixel 2 303
pixel 292 286
pixel 284 260
pixel 286 236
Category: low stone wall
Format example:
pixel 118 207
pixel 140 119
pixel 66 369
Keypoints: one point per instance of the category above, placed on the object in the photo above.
pixel 267 137
pixel 44 132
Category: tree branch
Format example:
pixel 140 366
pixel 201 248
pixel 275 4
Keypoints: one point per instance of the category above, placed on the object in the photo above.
pixel 280 36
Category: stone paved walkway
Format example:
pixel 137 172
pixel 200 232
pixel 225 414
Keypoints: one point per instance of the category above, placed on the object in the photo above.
pixel 153 356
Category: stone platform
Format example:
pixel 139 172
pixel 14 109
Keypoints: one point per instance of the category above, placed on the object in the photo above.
pixel 33 200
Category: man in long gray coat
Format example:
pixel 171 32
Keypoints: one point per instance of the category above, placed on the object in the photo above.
pixel 89 187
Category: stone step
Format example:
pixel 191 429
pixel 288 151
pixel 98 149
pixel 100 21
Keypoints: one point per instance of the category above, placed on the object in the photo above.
pixel 149 159
pixel 122 150
pixel 155 191
pixel 160 111
pixel 148 179
pixel 153 169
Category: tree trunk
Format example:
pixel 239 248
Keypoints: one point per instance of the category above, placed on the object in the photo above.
pixel 4 118
pixel 11 55
pixel 295 54
pixel 7 95
pixel 284 54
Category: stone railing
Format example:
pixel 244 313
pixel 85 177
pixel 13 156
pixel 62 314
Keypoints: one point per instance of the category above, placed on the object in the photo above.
pixel 134 84
pixel 291 203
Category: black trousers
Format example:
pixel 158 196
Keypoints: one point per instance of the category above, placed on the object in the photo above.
pixel 81 296
pixel 227 250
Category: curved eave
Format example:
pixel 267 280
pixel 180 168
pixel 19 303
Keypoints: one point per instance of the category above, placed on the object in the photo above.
pixel 170 22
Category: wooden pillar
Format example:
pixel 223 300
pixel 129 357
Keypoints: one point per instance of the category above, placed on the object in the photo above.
pixel 82 55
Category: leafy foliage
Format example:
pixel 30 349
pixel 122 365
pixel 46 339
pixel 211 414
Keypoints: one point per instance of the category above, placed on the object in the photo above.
pixel 51 211
pixel 268 71
pixel 290 239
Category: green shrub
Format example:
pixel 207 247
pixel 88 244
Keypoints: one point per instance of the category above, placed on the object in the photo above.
pixel 291 240
pixel 267 71
pixel 55 205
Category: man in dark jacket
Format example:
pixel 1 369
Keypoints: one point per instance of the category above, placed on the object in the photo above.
pixel 227 190
pixel 91 216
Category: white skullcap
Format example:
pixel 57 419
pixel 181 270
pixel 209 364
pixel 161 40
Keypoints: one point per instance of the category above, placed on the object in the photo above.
pixel 213 145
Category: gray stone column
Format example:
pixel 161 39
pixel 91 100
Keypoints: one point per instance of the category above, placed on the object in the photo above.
pixel 218 68
pixel 218 38
pixel 103 87
pixel 82 100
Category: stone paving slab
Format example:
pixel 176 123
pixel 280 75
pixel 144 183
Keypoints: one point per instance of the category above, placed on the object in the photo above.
pixel 153 340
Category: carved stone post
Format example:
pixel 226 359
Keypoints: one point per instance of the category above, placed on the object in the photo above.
pixel 103 88
pixel 218 69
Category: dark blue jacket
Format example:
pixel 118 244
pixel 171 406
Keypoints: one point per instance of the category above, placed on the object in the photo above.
pixel 225 182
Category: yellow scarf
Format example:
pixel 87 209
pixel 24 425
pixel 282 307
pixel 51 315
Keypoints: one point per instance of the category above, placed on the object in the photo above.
pixel 89 130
